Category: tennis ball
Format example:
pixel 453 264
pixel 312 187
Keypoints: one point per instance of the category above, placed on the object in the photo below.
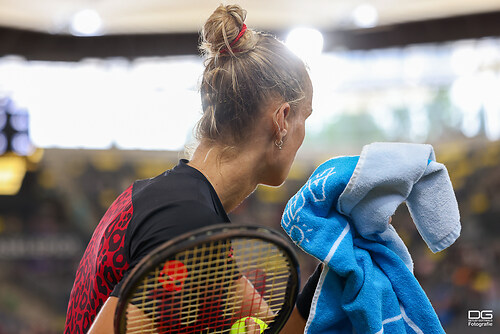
pixel 239 326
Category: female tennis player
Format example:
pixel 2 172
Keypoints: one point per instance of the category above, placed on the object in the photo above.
pixel 256 96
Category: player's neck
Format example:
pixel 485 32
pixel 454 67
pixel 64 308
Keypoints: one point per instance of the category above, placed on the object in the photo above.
pixel 233 176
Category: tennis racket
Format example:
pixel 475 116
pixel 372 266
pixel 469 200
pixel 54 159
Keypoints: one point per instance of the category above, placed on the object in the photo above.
pixel 210 281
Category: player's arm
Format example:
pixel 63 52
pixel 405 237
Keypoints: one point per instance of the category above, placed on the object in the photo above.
pixel 252 304
pixel 104 322
pixel 297 321
pixel 295 324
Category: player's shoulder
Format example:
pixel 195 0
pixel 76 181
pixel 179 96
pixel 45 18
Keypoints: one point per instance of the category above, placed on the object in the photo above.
pixel 177 190
pixel 181 178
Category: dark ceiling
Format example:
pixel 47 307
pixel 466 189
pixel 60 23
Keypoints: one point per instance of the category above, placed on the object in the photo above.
pixel 43 46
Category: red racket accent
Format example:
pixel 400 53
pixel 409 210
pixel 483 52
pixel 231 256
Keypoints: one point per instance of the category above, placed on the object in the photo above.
pixel 173 275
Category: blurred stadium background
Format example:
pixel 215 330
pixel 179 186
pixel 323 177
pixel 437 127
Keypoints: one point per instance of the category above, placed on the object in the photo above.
pixel 96 94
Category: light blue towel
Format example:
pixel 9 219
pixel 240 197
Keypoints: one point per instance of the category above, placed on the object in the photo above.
pixel 341 216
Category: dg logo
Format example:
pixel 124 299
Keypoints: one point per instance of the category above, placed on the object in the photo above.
pixel 480 315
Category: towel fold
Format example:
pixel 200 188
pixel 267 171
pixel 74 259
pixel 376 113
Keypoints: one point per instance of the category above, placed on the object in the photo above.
pixel 388 174
pixel 341 216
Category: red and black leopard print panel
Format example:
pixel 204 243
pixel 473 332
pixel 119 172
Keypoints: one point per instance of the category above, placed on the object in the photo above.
pixel 102 266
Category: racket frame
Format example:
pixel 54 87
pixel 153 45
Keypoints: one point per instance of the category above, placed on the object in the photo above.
pixel 209 234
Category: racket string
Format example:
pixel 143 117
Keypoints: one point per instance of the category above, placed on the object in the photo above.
pixel 208 288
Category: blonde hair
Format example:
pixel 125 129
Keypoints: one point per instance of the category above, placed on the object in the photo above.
pixel 241 75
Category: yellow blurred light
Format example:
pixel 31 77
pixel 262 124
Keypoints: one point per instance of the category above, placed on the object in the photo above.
pixel 298 171
pixel 107 161
pixel 483 282
pixel 34 159
pixel 479 203
pixel 2 225
pixel 435 256
pixel 12 171
pixel 36 156
pixel 106 197
pixel 46 179
pixel 77 167
pixel 147 169
pixel 491 156
pixel 271 194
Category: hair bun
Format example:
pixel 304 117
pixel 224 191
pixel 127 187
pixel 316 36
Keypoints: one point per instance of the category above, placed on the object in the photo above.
pixel 222 28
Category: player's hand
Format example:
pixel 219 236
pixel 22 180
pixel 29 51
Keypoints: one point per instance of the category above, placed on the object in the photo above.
pixel 251 326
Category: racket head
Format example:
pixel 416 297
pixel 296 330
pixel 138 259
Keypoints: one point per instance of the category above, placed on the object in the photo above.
pixel 192 283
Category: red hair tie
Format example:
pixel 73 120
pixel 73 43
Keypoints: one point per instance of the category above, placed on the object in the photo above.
pixel 242 31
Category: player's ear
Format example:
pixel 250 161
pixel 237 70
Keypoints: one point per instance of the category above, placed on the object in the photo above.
pixel 280 120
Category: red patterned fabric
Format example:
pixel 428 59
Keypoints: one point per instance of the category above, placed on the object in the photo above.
pixel 102 266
